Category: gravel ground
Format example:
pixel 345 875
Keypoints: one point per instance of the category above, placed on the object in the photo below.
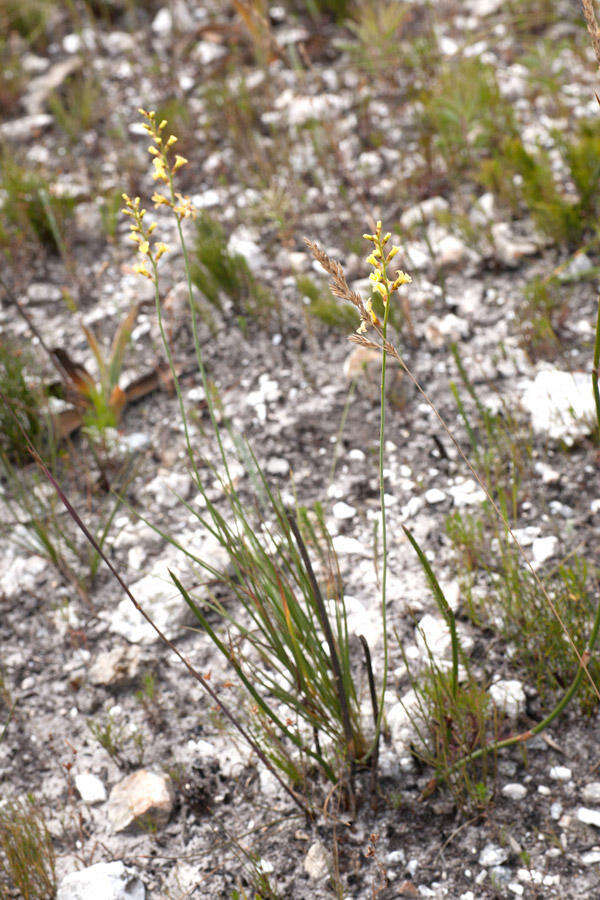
pixel 292 134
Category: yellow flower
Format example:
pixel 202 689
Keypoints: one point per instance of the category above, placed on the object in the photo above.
pixel 179 162
pixel 160 173
pixel 401 278
pixel 143 247
pixel 159 250
pixel 140 269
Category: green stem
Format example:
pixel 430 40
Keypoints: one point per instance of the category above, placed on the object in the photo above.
pixel 199 358
pixel 382 504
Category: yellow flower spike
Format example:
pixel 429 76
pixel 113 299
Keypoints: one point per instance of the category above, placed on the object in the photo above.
pixel 159 250
pixel 375 276
pixel 378 228
pixel 172 140
pixel 372 260
pixel 369 237
pixel 160 200
pixel 151 228
pixel 387 237
pixel 380 288
pixel 152 150
pixel 162 125
pixel 143 247
pixel 392 254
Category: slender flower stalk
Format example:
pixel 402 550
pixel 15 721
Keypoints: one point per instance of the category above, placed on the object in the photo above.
pixel 166 164
pixel 380 258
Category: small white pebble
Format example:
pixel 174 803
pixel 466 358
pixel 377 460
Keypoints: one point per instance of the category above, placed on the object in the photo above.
pixel 560 773
pixel 589 816
pixel 514 791
pixel 343 510
pixel 434 495
pixel 591 792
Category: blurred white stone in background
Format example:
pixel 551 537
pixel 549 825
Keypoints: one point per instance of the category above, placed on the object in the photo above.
pixel 561 405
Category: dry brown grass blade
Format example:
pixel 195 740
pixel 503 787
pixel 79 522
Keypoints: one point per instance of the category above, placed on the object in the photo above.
pixel 592 26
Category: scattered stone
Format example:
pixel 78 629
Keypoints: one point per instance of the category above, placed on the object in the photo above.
pixel 561 405
pixel 116 668
pixel 143 798
pixel 350 546
pixel 579 266
pixel 543 549
pixel 162 24
pixel 484 8
pixel 467 493
pixel 589 816
pixel 434 495
pixel 20 574
pixel 514 791
pixel 484 210
pixel 361 361
pixel 591 792
pixel 549 475
pixel 103 881
pixel 432 637
pixel 26 128
pixel 299 109
pixel 207 52
pixel 160 599
pixel 592 857
pixel 90 787
pixel 561 773
pixel 492 855
pixel 510 249
pixel 316 862
pixel 361 620
pixel 400 717
pixel 43 292
pixel 423 212
pixel 508 696
pixel 343 510
pixel 450 252
pixel 117 43
pixel 277 465
pixel 169 488
pixel 40 88
pixel 245 242
pixel 439 331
